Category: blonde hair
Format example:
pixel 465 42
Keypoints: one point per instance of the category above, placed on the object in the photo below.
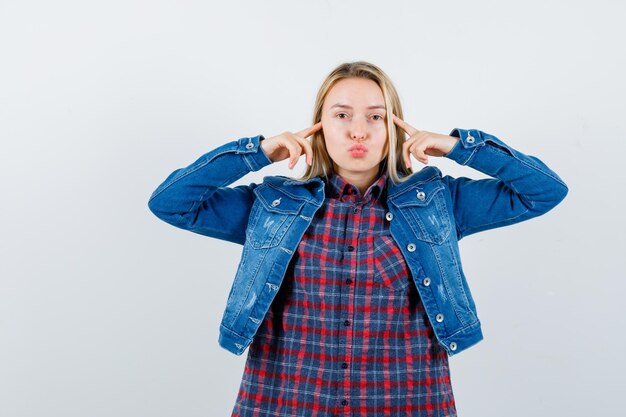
pixel 393 163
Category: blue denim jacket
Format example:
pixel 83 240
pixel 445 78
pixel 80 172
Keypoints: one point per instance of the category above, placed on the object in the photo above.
pixel 428 214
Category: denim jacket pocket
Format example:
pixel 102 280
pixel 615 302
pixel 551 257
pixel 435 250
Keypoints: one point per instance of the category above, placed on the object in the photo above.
pixel 390 268
pixel 424 208
pixel 271 217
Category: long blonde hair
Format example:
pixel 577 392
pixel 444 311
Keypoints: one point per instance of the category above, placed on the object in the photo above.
pixel 393 162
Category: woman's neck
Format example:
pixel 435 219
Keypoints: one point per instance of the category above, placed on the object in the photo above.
pixel 361 180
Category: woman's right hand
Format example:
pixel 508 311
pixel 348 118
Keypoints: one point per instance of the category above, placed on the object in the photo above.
pixel 290 145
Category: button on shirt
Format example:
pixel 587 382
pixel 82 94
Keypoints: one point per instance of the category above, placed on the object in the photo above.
pixel 346 334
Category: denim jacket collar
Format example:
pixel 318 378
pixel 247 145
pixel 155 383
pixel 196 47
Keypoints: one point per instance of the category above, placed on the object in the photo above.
pixel 313 189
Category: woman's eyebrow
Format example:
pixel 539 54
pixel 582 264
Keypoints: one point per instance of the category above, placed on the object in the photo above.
pixel 345 106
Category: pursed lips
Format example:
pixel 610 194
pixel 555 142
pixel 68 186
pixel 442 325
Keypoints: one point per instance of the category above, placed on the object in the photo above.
pixel 357 147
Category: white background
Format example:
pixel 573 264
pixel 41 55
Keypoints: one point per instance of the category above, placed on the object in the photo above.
pixel 107 311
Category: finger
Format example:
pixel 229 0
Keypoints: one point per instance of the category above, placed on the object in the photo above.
pixel 418 150
pixel 294 153
pixel 308 149
pixel 404 125
pixel 407 158
pixel 407 162
pixel 406 151
pixel 305 133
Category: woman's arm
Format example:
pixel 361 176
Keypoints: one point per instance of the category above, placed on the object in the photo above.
pixel 522 186
pixel 197 198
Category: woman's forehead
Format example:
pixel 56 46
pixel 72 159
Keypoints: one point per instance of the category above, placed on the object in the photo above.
pixel 354 97
pixel 356 89
pixel 347 106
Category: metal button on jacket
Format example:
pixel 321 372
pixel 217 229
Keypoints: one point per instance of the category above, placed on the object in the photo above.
pixel 411 247
pixel 426 281
pixel 389 216
pixel 276 202
pixel 249 145
pixel 470 139
pixel 421 195
pixel 439 317
pixel 453 346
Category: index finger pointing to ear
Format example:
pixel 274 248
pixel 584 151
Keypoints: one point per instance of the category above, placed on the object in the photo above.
pixel 405 126
pixel 310 130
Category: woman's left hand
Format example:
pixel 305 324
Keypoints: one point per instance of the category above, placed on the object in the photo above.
pixel 421 143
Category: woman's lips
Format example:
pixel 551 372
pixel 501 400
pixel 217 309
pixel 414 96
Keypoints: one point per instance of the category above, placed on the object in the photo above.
pixel 357 150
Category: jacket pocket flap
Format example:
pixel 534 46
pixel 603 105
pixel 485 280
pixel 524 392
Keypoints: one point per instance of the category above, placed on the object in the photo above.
pixel 420 195
pixel 276 201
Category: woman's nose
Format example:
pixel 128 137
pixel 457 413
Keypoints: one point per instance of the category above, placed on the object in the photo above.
pixel 358 129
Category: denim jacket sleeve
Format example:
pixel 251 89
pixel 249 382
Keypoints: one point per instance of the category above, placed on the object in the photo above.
pixel 522 186
pixel 197 198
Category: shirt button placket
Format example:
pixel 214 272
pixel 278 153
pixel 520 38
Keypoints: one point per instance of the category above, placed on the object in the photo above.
pixel 347 323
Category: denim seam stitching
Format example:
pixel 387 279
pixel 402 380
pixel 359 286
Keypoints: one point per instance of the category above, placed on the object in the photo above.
pixel 248 289
pixel 455 306
pixel 501 220
pixel 435 175
pixel 459 283
pixel 472 326
pixel 512 154
pixel 295 197
pixel 201 165
pixel 246 159
pixel 228 181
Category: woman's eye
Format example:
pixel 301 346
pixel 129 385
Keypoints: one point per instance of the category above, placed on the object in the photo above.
pixel 377 117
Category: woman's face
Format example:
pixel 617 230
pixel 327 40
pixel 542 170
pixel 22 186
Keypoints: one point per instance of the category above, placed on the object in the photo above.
pixel 354 114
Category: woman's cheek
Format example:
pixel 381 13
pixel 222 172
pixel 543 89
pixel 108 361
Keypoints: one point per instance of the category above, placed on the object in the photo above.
pixel 380 126
pixel 331 130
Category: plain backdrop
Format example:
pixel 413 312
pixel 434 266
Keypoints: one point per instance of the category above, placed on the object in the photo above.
pixel 107 311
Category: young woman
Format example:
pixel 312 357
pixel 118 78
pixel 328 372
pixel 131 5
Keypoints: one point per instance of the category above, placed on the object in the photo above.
pixel 350 291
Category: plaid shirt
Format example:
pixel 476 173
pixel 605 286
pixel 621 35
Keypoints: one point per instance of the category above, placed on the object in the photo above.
pixel 347 334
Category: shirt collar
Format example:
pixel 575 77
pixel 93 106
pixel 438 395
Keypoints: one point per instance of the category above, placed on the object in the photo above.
pixel 340 189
